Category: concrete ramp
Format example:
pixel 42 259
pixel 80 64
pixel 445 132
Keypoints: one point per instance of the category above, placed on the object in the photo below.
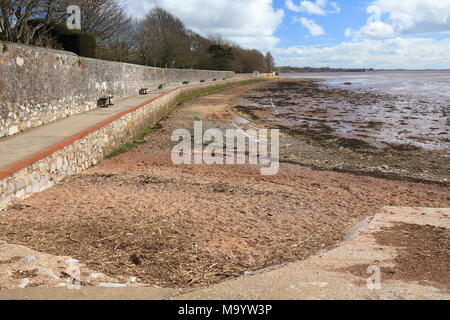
pixel 342 272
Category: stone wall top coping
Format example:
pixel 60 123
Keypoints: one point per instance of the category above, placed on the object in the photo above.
pixel 71 54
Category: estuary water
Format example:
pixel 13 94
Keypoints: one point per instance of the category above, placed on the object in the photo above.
pixel 432 85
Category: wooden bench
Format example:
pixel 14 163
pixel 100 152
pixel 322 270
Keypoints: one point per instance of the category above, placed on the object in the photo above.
pixel 214 79
pixel 105 102
pixel 202 81
pixel 185 82
pixel 143 91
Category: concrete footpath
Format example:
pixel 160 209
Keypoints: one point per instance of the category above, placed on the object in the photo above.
pixel 328 275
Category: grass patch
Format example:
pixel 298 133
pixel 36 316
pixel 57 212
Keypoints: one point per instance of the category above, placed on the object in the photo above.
pixel 122 149
pixel 139 139
pixel 209 91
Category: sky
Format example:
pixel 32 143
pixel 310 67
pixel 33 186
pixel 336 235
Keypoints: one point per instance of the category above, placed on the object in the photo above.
pixel 381 34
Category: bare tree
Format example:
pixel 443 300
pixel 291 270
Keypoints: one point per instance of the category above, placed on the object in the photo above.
pixel 168 43
pixel 27 21
pixel 102 18
pixel 144 47
pixel 121 46
pixel 199 56
pixel 160 39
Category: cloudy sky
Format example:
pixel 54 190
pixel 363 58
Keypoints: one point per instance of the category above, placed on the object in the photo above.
pixel 413 34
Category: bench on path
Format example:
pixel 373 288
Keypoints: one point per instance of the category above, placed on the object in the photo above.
pixel 105 102
pixel 143 91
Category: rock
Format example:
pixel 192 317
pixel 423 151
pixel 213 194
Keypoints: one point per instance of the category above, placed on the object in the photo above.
pixel 59 164
pixel 20 184
pixel 132 280
pixel 36 187
pixel 320 284
pixel 24 283
pixel 71 261
pixel 20 194
pixel 13 130
pixel 49 273
pixel 19 61
pixel 112 285
pixel 65 164
pixel 61 285
pixel 28 259
pixel 5 202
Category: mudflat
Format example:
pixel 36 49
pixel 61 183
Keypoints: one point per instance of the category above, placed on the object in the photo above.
pixel 364 133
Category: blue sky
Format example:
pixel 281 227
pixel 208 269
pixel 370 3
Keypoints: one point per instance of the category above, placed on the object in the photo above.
pixel 352 14
pixel 412 34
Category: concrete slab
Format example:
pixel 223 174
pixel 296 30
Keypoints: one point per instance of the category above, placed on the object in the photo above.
pixel 324 276
pixel 89 293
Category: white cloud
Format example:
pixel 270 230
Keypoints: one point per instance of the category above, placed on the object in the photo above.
pixel 412 17
pixel 250 23
pixel 314 29
pixel 320 7
pixel 408 53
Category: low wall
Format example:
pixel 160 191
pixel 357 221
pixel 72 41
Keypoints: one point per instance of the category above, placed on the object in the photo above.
pixel 88 148
pixel 38 86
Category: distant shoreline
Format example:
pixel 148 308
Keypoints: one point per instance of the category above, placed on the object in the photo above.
pixel 363 72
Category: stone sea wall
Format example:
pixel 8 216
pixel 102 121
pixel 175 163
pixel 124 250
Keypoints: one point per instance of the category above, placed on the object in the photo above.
pixel 38 86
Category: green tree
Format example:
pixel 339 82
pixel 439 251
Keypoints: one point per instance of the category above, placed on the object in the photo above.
pixel 270 62
pixel 221 57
